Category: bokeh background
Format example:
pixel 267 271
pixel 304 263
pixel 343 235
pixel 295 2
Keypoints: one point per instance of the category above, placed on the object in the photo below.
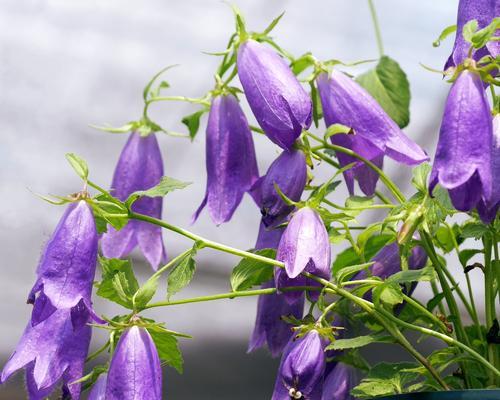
pixel 67 64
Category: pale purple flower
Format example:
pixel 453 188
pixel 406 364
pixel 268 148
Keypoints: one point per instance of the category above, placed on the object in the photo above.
pixel 270 328
pixel 66 270
pixel 463 160
pixel 374 134
pixel 339 382
pixel 98 391
pixel 135 370
pixel 51 352
pixel 304 246
pixel 488 210
pixel 140 167
pixel 277 99
pixel 483 11
pixel 289 173
pixel 302 368
pixel 230 159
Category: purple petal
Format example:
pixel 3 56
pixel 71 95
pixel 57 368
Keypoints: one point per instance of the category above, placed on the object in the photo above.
pixel 277 99
pixel 230 159
pixel 98 391
pixel 135 370
pixel 462 161
pixel 67 267
pixel 139 167
pixel 339 382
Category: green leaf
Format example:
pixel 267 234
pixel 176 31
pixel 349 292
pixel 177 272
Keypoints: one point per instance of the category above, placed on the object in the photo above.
pixel 146 292
pixel 388 84
pixel 483 36
pixel 359 341
pixel 347 272
pixel 356 204
pixel 465 255
pixel 335 129
pixel 192 122
pixel 385 379
pixel 168 348
pixel 165 186
pixel 181 274
pixel 444 34
pixel 250 272
pixel 302 63
pixel 79 165
pixel 434 302
pixel 118 281
pixel 420 175
pixel 389 293
pixel 469 29
pixel 474 230
pixel 109 210
pixel 426 274
pixel 273 24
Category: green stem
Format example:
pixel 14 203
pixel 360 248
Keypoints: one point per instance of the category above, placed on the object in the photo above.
pixel 435 292
pixel 231 295
pixel 178 98
pixel 370 207
pixel 376 25
pixel 489 298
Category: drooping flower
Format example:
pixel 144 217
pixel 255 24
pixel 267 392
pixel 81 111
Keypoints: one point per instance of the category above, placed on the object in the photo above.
pixel 230 159
pixel 304 246
pixel 489 210
pixel 339 382
pixel 277 99
pixel 140 167
pixel 483 11
pixel 388 262
pixel 135 369
pixel 98 391
pixel 270 328
pixel 66 270
pixel 302 367
pixel 52 351
pixel 289 173
pixel 462 162
pixel 373 133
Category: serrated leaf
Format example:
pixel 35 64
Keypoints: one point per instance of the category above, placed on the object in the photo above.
pixel 192 122
pixel 424 274
pixel 473 230
pixel 359 341
pixel 250 272
pixel 168 348
pixel 79 165
pixel 165 186
pixel 146 292
pixel 388 84
pixel 389 293
pixel 118 281
pixel 109 210
pixel 181 274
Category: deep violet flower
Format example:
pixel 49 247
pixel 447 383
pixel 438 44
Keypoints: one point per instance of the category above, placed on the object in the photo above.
pixel 289 173
pixel 483 11
pixel 66 270
pixel 98 391
pixel 51 351
pixel 374 134
pixel 230 159
pixel 462 162
pixel 140 167
pixel 135 369
pixel 277 99
pixel 339 382
pixel 302 367
pixel 269 327
pixel 488 210
pixel 304 246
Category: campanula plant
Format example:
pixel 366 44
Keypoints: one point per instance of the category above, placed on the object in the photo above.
pixel 332 274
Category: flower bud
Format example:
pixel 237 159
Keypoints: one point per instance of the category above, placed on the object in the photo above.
pixel 140 167
pixel 277 99
pixel 463 156
pixel 230 159
pixel 135 370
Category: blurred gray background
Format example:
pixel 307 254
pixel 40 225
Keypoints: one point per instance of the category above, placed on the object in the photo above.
pixel 67 64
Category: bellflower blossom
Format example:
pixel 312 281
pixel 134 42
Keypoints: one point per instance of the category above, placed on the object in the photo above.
pixel 66 270
pixel 140 167
pixel 488 210
pixel 277 99
pixel 462 162
pixel 289 173
pixel 230 159
pixel 98 391
pixel 269 326
pixel 339 382
pixel 52 351
pixel 302 367
pixel 304 246
pixel 374 134
pixel 483 11
pixel 135 369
